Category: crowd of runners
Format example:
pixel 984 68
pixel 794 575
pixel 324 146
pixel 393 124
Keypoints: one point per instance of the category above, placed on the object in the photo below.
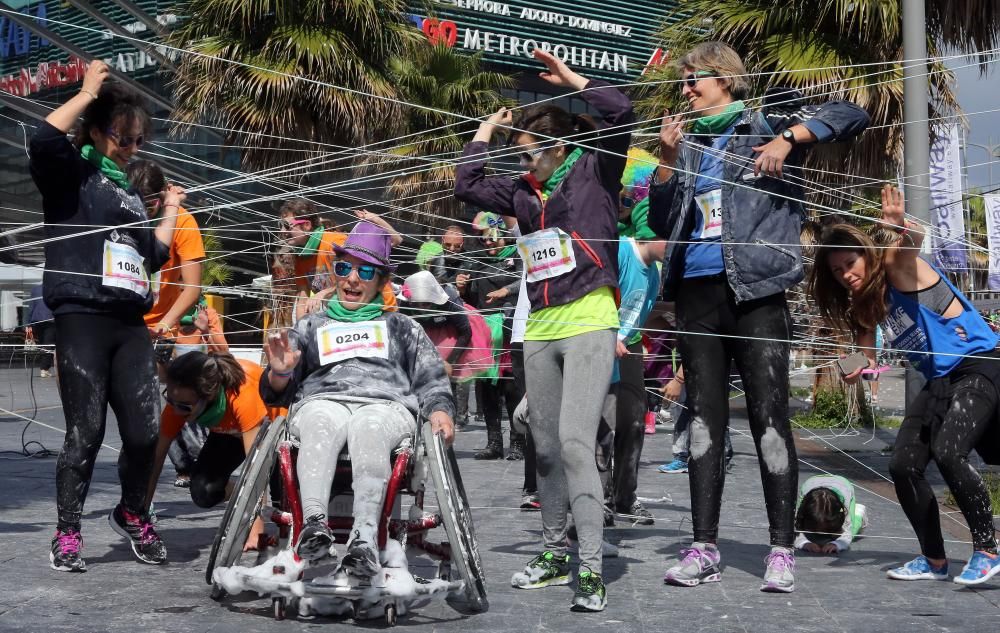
pixel 542 305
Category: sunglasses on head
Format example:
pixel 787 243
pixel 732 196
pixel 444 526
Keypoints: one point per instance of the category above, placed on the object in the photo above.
pixel 181 407
pixel 691 79
pixel 125 141
pixel 366 272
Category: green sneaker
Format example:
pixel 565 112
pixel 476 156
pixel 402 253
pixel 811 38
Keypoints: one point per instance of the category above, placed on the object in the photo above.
pixel 545 570
pixel 590 593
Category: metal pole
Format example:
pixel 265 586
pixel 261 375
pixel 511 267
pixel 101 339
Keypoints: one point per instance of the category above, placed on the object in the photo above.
pixel 916 133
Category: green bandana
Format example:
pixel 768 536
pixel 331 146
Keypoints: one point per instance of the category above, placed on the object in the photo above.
pixel 213 413
pixel 107 166
pixel 716 124
pixel 505 252
pixel 336 311
pixel 313 244
pixel 557 176
pixel 638 225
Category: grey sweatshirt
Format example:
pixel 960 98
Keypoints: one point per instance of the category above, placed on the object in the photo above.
pixel 413 374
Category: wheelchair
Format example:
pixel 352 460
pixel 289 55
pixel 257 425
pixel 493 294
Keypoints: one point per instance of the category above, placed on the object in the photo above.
pixel 271 464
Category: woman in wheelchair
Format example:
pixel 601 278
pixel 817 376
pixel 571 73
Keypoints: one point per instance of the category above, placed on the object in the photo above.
pixel 220 393
pixel 359 376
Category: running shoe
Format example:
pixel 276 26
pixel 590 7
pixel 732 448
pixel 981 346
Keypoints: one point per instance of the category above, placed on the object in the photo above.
pixel 674 467
pixel 315 540
pixel 699 564
pixel 545 570
pixel 590 592
pixel 650 423
pixel 779 577
pixel 141 535
pixel 44 374
pixel 361 559
pixel 919 569
pixel 182 481
pixel 637 514
pixel 530 501
pixel 980 568
pixel 65 552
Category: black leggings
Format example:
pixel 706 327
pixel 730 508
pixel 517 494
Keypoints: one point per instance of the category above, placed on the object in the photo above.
pixel 755 336
pixel 948 440
pixel 219 458
pixel 104 360
pixel 517 368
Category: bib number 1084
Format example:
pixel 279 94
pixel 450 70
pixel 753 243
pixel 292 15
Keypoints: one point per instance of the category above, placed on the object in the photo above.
pixel 129 267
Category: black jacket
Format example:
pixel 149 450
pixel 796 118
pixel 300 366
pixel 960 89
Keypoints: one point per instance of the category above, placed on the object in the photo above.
pixel 85 213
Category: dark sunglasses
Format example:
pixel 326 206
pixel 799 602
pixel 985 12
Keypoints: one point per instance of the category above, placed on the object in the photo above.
pixel 692 79
pixel 125 141
pixel 366 272
pixel 627 202
pixel 181 407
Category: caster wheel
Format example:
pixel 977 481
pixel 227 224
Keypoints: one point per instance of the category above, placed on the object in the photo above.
pixel 278 606
pixel 218 593
pixel 444 571
pixel 390 615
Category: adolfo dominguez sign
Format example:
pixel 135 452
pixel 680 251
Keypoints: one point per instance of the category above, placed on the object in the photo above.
pixel 607 39
pixel 30 64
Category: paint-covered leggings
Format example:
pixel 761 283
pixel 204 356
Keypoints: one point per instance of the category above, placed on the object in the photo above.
pixel 567 382
pixel 755 336
pixel 104 360
pixel 370 430
pixel 948 440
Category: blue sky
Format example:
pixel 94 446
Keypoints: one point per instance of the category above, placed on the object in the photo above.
pixel 975 94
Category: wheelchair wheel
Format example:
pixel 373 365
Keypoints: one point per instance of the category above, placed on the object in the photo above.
pixel 457 518
pixel 245 502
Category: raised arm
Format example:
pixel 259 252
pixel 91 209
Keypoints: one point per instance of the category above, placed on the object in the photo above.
pixel 472 185
pixel 377 220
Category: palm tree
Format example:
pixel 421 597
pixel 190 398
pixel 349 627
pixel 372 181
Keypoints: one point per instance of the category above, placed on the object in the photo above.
pixel 438 77
pixel 298 61
pixel 844 49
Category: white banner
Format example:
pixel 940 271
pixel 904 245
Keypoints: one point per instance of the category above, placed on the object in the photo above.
pixel 946 201
pixel 993 237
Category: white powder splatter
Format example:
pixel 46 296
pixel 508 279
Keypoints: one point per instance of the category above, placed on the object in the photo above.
pixel 772 449
pixel 701 441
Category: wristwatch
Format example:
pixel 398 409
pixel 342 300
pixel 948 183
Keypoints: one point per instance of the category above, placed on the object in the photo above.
pixel 789 136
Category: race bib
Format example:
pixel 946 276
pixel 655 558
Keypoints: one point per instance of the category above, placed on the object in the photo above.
pixel 341 341
pixel 710 205
pixel 546 254
pixel 123 268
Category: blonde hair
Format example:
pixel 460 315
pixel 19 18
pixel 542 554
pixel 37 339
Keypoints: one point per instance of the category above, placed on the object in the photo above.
pixel 722 60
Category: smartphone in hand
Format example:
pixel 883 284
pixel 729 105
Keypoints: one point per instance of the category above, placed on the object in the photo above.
pixel 850 364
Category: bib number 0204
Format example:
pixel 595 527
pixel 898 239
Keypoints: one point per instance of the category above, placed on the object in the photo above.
pixel 353 337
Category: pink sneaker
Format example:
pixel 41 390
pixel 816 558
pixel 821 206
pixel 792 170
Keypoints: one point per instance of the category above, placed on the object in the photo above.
pixel 650 423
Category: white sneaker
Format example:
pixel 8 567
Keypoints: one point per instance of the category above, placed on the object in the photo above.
pixel 45 373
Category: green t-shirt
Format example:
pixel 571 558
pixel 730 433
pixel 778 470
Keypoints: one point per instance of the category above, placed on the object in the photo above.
pixel 594 311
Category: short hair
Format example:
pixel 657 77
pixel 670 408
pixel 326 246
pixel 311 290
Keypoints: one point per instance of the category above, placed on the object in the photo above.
pixel 721 59
pixel 453 228
pixel 147 177
pixel 299 207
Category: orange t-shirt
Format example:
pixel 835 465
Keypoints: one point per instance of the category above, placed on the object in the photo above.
pixel 315 272
pixel 195 337
pixel 244 409
pixel 185 247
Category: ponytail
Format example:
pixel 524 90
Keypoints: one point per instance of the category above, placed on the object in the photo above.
pixel 206 374
pixel 549 122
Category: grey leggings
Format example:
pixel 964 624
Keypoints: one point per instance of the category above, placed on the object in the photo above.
pixel 568 380
pixel 370 431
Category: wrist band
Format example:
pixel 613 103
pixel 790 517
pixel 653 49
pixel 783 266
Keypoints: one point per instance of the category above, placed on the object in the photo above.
pixel 282 374
pixel 89 93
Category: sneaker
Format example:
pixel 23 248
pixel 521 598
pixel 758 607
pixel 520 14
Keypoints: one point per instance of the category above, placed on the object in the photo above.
pixel 545 570
pixel 650 423
pixel 919 569
pixel 590 593
pixel 65 552
pixel 182 481
pixel 779 576
pixel 980 568
pixel 361 559
pixel 699 564
pixel 530 501
pixel 676 466
pixel 516 453
pixel 44 373
pixel 637 514
pixel 315 540
pixel 141 535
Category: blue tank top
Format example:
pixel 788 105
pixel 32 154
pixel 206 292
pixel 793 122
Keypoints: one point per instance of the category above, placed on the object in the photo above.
pixel 916 330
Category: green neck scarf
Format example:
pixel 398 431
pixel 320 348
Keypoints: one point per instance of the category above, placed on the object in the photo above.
pixel 506 252
pixel 312 245
pixel 336 311
pixel 213 413
pixel 716 124
pixel 638 225
pixel 557 176
pixel 107 166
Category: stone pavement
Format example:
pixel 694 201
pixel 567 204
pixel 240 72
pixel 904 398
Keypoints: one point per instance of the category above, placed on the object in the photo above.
pixel 849 593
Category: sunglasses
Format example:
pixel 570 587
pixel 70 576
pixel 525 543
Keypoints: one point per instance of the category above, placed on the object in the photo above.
pixel 288 224
pixel 366 272
pixel 182 407
pixel 125 141
pixel 530 155
pixel 627 202
pixel 692 79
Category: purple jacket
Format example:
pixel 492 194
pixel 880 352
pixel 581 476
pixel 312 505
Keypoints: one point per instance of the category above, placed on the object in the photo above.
pixel 584 205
